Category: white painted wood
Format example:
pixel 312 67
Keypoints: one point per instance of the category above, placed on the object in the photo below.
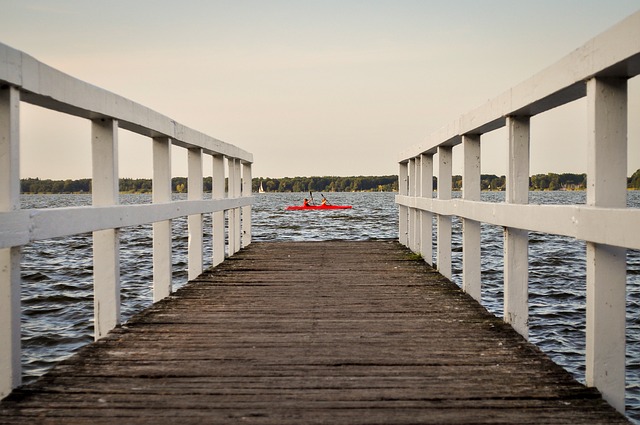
pixel 445 164
pixel 426 218
pixel 606 265
pixel 106 281
pixel 236 212
pixel 471 167
pixel 47 87
pixel 106 244
pixel 104 150
pixel 517 190
pixel 246 210
pixel 231 216
pixel 413 216
pixel 162 260
pixel 445 159
pixel 470 228
pixel 516 281
pixel 10 347
pixel 516 241
pixel 33 225
pixel 218 193
pixel 607 142
pixel 403 211
pixel 195 193
pixel 605 333
pixel 162 244
pixel 609 226
pixel 556 85
pixel 417 232
pixel 9 149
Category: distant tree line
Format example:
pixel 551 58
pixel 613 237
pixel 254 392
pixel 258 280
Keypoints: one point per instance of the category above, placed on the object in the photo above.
pixel 55 186
pixel 550 181
pixel 328 184
pixel 634 181
pixel 179 184
pixel 30 185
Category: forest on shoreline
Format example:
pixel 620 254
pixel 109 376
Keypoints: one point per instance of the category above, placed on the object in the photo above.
pixel 489 182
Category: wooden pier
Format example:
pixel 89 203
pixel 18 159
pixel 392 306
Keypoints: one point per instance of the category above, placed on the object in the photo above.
pixel 306 333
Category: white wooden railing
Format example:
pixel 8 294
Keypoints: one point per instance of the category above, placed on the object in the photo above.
pixel 598 70
pixel 24 79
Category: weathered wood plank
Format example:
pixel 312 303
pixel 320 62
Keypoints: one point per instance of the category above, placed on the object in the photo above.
pixel 319 332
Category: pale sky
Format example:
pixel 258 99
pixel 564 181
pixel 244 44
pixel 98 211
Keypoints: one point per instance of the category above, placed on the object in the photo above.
pixel 327 87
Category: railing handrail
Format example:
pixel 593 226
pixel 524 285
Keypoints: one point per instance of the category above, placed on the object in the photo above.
pixel 52 89
pixel 560 83
pixel 24 79
pixel 24 226
pixel 599 71
pixel 576 221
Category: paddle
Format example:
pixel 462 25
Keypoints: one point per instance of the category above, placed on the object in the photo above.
pixel 311 196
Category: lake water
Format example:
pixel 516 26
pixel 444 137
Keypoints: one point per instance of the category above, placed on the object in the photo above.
pixel 57 294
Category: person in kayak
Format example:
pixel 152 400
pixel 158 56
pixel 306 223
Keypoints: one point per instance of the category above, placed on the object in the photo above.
pixel 305 203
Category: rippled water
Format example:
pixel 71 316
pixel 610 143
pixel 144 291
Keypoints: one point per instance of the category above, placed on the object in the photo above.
pixel 374 216
pixel 57 295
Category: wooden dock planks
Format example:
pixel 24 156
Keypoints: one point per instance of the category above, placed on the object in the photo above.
pixel 311 333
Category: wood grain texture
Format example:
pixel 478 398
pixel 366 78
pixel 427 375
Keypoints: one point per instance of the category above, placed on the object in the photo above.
pixel 311 333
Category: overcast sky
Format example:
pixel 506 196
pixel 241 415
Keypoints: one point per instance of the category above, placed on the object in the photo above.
pixel 327 87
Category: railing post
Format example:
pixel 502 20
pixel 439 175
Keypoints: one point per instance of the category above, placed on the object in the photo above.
pixel 195 193
pixel 106 245
pixel 426 217
pixel 234 213
pixel 516 241
pixel 417 230
pixel 403 211
pixel 470 228
pixel 445 156
pixel 246 211
pixel 161 192
pixel 606 265
pixel 231 217
pixel 237 190
pixel 218 216
pixel 10 350
pixel 413 216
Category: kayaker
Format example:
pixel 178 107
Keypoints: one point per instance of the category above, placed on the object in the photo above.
pixel 324 201
pixel 305 203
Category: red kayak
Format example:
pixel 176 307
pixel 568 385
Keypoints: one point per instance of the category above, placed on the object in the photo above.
pixel 318 207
